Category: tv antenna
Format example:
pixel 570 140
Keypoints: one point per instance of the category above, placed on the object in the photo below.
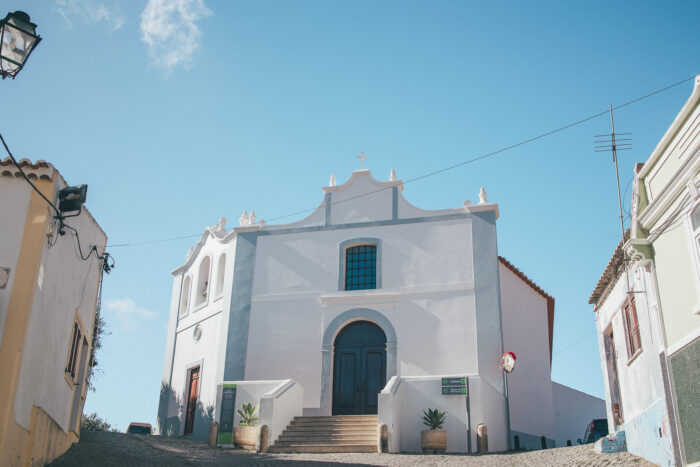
pixel 611 143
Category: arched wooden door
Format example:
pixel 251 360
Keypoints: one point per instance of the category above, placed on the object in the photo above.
pixel 359 368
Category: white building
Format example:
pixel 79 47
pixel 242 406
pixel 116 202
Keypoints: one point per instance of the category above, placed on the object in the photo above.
pixel 363 307
pixel 647 303
pixel 48 296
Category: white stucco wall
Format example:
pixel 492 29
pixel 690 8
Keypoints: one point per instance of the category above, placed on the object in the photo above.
pixel 184 351
pixel 364 207
pixel 293 279
pixel 573 411
pixel 14 202
pixel 403 401
pixel 66 285
pixel 190 353
pixel 526 333
pixel 640 379
pixel 426 294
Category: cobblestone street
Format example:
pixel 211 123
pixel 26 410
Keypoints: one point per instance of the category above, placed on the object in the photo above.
pixel 117 449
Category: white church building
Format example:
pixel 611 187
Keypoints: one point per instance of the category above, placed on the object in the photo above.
pixel 368 306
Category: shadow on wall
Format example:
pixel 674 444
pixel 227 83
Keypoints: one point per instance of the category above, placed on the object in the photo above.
pixel 171 403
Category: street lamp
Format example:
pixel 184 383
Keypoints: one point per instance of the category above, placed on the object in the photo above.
pixel 18 39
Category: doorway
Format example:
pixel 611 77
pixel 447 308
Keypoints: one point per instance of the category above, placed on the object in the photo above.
pixel 193 394
pixel 359 368
pixel 613 379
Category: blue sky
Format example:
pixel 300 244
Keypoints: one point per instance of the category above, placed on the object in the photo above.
pixel 177 113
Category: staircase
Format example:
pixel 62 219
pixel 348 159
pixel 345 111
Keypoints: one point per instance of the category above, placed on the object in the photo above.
pixel 339 433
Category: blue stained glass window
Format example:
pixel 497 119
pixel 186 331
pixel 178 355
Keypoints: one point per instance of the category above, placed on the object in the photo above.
pixel 361 267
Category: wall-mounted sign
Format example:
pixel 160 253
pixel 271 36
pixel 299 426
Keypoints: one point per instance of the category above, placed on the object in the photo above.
pixel 228 405
pixel 4 277
pixel 454 390
pixel 454 381
pixel 508 362
pixel 454 386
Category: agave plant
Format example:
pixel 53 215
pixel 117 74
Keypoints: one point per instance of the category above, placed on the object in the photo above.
pixel 247 413
pixel 434 419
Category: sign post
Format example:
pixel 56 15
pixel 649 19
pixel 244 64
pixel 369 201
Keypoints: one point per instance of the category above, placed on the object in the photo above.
pixel 508 365
pixel 460 387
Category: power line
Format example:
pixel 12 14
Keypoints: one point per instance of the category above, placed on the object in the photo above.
pixel 150 242
pixel 451 167
pixel 25 176
pixel 574 343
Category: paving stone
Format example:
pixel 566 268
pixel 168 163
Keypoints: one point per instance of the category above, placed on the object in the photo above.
pixel 119 449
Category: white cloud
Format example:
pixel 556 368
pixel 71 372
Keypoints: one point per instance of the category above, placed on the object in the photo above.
pixel 127 312
pixel 90 12
pixel 169 30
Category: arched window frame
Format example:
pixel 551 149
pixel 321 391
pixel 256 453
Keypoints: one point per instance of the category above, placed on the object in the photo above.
pixel 359 242
pixel 220 276
pixel 185 296
pixel 198 290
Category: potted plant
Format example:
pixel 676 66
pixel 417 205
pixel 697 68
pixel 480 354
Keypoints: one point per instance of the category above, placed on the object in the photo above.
pixel 434 440
pixel 246 435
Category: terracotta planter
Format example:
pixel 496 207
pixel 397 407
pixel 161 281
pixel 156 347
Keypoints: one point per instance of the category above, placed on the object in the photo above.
pixel 245 437
pixel 433 441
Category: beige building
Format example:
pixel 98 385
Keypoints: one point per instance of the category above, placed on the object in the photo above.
pixel 48 303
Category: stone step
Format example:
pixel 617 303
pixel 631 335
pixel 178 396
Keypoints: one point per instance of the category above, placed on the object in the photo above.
pixel 332 424
pixel 328 437
pixel 333 442
pixel 321 448
pixel 323 418
pixel 339 433
pixel 326 429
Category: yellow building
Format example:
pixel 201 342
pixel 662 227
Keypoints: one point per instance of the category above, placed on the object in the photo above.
pixel 48 302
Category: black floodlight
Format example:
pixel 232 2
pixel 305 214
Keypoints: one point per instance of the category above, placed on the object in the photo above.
pixel 71 199
pixel 18 39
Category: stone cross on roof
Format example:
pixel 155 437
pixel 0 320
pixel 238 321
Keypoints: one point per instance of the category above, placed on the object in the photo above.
pixel 362 158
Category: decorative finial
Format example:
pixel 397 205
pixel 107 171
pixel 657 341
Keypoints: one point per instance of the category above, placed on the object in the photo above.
pixel 332 182
pixel 262 222
pixel 218 230
pixel 244 219
pixel 482 196
pixel 251 219
pixel 467 203
pixel 362 158
pixel 392 175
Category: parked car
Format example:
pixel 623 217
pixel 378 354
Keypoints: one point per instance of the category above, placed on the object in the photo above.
pixel 136 428
pixel 595 430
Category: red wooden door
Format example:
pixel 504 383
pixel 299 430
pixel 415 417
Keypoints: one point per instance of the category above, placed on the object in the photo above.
pixel 192 400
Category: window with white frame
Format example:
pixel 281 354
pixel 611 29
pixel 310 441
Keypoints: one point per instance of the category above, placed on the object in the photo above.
pixel 74 353
pixel 220 274
pixel 361 267
pixel 629 315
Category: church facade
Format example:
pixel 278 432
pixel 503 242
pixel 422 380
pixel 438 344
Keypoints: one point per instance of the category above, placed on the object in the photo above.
pixel 364 306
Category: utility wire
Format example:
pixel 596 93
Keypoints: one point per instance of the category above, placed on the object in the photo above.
pixel 25 176
pixel 451 167
pixel 574 343
pixel 149 242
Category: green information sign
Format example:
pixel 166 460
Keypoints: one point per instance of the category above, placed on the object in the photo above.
pixel 454 390
pixel 228 404
pixel 454 381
